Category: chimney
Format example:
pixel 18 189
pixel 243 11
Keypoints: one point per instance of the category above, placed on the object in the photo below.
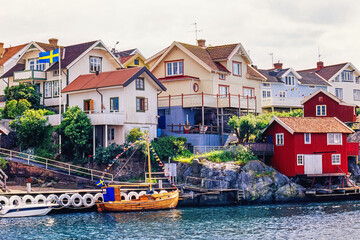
pixel 319 65
pixel 201 43
pixel 53 41
pixel 1 49
pixel 278 65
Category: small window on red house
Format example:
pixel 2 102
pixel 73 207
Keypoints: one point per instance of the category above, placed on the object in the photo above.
pixel 307 138
pixel 279 139
pixel 335 159
pixel 300 159
pixel 321 99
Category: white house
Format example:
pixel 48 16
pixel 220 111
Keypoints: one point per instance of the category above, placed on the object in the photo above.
pixel 116 102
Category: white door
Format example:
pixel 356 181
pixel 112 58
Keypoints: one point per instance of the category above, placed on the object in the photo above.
pixel 313 164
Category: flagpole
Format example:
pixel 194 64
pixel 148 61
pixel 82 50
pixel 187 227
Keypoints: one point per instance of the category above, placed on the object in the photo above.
pixel 60 87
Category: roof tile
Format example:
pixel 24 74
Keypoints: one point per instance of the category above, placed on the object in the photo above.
pixel 10 52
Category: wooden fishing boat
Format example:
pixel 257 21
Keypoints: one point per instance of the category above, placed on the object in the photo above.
pixel 114 203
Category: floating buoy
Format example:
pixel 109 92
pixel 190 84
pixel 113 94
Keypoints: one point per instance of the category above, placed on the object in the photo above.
pixel 133 195
pixel 65 200
pixel 4 201
pixel 16 200
pixel 52 198
pixel 88 200
pixel 40 199
pixel 76 200
pixel 99 196
pixel 124 196
pixel 28 198
pixel 142 193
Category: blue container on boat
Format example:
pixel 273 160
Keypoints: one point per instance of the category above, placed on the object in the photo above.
pixel 109 195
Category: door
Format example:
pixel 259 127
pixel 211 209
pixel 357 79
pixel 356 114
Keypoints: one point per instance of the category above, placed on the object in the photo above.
pixel 313 164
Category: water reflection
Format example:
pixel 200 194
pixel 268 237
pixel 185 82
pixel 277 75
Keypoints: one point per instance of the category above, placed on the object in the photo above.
pixel 151 216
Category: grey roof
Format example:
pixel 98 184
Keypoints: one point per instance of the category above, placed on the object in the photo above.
pixel 311 78
pixel 273 75
pixel 125 53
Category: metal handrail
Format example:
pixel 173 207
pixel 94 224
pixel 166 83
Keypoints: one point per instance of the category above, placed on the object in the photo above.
pixel 67 167
pixel 3 182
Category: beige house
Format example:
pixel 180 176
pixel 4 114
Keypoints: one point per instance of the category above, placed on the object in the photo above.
pixel 205 85
pixel 116 102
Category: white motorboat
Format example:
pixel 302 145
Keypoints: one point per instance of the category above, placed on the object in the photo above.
pixel 26 210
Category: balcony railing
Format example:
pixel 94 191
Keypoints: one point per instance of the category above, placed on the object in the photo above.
pixel 204 129
pixel 282 102
pixel 208 100
pixel 29 75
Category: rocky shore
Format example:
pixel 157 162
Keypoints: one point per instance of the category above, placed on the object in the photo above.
pixel 259 182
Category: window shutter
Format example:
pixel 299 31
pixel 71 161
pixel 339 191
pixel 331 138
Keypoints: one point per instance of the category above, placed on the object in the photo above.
pixel 146 104
pixel 91 106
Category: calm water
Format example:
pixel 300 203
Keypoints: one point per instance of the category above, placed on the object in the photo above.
pixel 336 220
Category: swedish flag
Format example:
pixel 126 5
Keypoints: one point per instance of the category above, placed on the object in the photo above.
pixel 100 183
pixel 50 56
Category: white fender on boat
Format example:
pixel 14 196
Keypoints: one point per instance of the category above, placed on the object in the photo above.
pixel 66 197
pixel 87 197
pixel 125 196
pixel 52 198
pixel 156 192
pixel 14 199
pixel 131 195
pixel 142 193
pixel 27 198
pixel 99 196
pixel 76 200
pixel 39 198
pixel 163 191
pixel 4 201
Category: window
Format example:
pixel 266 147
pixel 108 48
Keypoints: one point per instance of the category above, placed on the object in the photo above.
pixel 136 61
pixel 279 139
pixel 307 138
pixel 237 69
pixel 282 94
pixel 56 88
pixel 311 86
pixel 195 87
pixel 248 92
pixel 37 87
pixel 300 159
pixel 114 104
pixel 174 68
pixel 141 104
pixel 337 78
pixel 357 80
pixel 339 93
pixel 335 159
pixel 290 80
pixel 48 92
pixel 334 139
pixel 266 85
pixel 222 76
pixel 223 91
pixel 140 84
pixel 56 73
pixel 266 93
pixel 111 133
pixel 35 65
pixel 89 106
pixel 356 95
pixel 320 110
pixel 95 64
pixel 347 76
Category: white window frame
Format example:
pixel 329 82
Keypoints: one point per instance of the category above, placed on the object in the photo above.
pixel 56 88
pixel 335 159
pixel 334 139
pixel 140 83
pixel 266 85
pixel 174 68
pixel 266 93
pixel 279 139
pixel 95 64
pixel 282 94
pixel 347 76
pixel 35 65
pixel 337 78
pixel 222 93
pixel 236 67
pixel 301 158
pixel 248 92
pixel 290 80
pixel 339 93
pixel 322 110
pixel 307 142
pixel 47 89
pixel 356 95
pixel 111 133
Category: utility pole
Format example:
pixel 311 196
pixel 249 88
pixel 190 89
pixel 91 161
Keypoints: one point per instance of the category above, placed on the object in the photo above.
pixel 196 31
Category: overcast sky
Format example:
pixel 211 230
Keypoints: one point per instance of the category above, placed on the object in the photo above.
pixel 291 30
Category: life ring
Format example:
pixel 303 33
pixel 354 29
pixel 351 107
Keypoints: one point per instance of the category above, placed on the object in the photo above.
pixel 125 196
pixel 52 198
pixel 163 191
pixel 66 197
pixel 27 198
pixel 4 201
pixel 99 196
pixel 131 195
pixel 76 200
pixel 142 193
pixel 16 200
pixel 39 198
pixel 85 199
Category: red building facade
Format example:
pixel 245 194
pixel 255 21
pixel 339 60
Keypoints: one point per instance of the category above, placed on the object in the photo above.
pixel 324 104
pixel 310 145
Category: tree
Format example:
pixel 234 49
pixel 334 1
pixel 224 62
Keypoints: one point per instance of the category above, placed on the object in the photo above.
pixel 76 132
pixel 24 91
pixel 170 146
pixel 33 130
pixel 134 135
pixel 15 108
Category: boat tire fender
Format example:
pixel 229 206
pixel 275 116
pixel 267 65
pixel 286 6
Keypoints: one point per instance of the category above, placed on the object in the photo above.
pixel 85 199
pixel 163 191
pixel 15 200
pixel 133 194
pixel 38 198
pixel 156 192
pixel 52 198
pixel 99 196
pixel 5 200
pixel 27 198
pixel 126 197
pixel 65 197
pixel 79 201
pixel 142 193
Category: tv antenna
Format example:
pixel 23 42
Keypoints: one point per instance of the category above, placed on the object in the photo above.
pixel 196 30
pixel 319 54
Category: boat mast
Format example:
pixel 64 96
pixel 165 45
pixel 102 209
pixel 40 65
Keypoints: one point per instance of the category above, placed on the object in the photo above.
pixel 149 164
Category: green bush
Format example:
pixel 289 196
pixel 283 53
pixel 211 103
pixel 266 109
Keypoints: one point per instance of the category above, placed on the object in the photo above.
pixel 170 146
pixel 134 135
pixel 3 163
pixel 106 155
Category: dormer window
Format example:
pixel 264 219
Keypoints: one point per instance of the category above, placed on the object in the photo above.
pixel 221 76
pixel 95 64
pixel 320 110
pixel 237 69
pixel 175 68
pixel 35 65
pixel 140 84
pixel 136 61
pixel 347 76
pixel 290 80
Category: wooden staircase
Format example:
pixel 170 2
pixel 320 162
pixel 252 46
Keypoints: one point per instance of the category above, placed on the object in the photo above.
pixel 3 178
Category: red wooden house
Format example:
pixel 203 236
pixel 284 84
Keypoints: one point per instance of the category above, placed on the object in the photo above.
pixel 325 104
pixel 310 145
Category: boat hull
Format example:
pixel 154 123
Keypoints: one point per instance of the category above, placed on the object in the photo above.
pixel 153 202
pixel 25 211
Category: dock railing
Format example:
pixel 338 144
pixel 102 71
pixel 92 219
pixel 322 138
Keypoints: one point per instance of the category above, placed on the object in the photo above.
pixel 53 165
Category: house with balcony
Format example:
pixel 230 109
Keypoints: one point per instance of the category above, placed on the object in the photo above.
pixel 284 89
pixel 344 79
pixel 116 102
pixel 205 86
pixel 130 58
pixel 83 58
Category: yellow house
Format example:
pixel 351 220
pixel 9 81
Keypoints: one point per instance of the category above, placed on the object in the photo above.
pixel 131 58
pixel 205 86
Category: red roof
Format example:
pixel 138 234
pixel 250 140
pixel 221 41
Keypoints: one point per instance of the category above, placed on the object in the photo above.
pixel 125 59
pixel 9 52
pixel 108 79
